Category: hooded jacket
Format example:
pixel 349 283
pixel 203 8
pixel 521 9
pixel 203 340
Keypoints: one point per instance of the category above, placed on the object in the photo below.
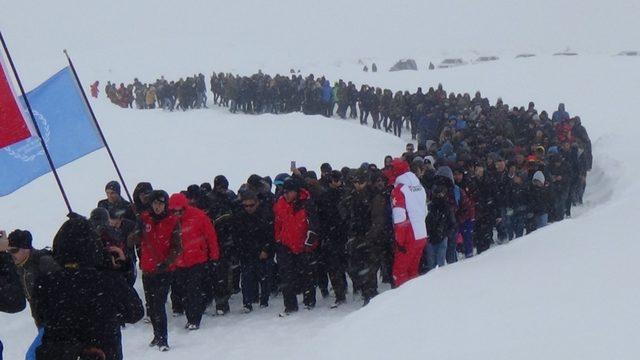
pixel 409 203
pixel 295 221
pixel 199 241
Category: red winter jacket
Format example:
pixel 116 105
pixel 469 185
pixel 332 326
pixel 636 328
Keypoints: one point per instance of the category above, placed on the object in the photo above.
pixel 156 243
pixel 199 239
pixel 293 221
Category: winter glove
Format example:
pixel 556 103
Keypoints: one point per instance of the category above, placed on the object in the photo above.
pixel 312 238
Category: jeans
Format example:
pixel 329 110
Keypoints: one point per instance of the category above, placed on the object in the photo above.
pixel 517 225
pixel 503 227
pixel 156 288
pixel 256 281
pixel 541 220
pixel 466 230
pixel 31 353
pixel 452 253
pixel 436 254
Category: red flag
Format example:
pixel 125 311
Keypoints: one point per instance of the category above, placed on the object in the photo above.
pixel 13 127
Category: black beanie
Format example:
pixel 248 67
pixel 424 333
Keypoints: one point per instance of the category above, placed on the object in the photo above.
pixel 113 185
pixel 220 182
pixel 20 239
pixel 255 181
pixel 291 184
pixel 99 217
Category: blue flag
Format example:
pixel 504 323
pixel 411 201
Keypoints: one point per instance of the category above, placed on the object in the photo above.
pixel 67 128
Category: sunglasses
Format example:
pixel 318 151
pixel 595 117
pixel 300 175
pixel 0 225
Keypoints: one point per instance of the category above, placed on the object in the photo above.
pixel 178 211
pixel 13 250
pixel 249 205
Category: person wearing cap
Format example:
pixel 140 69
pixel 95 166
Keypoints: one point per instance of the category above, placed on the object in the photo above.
pixel 160 241
pixel 82 307
pixel 409 207
pixel 31 264
pixel 114 200
pixel 199 246
pixel 296 235
pixel 11 295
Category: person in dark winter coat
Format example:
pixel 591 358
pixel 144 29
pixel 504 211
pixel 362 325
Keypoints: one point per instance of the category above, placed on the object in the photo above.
pixel 486 211
pixel 31 264
pixel 333 234
pixel 253 234
pixel 160 245
pixel 296 235
pixel 441 221
pixel 11 295
pixel 540 202
pixel 223 203
pixel 12 298
pixel 501 184
pixel 82 307
pixel 115 201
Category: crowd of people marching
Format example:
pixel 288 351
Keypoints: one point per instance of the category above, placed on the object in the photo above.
pixel 480 175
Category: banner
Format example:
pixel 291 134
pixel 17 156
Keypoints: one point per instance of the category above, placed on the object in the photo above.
pixel 13 127
pixel 67 129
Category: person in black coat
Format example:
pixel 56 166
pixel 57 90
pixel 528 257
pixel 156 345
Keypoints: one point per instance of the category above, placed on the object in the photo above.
pixel 222 204
pixel 440 222
pixel 115 202
pixel 253 234
pixel 486 210
pixel 12 298
pixel 333 235
pixel 81 306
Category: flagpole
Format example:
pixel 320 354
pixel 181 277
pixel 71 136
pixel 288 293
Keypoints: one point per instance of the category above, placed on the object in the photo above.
pixel 35 124
pixel 95 121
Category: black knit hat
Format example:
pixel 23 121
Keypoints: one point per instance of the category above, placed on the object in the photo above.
pixel 20 239
pixel 291 184
pixel 113 185
pixel 99 217
pixel 220 181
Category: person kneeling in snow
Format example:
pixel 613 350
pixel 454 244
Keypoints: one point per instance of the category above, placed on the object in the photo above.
pixel 409 203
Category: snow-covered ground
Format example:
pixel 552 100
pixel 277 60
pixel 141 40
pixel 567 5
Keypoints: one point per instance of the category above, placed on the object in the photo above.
pixel 569 291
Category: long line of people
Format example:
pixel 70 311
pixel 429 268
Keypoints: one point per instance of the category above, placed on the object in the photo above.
pixel 485 178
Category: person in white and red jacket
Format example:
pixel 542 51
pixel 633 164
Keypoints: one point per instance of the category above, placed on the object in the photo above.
pixel 409 204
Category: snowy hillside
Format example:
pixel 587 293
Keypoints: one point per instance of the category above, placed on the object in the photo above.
pixel 569 291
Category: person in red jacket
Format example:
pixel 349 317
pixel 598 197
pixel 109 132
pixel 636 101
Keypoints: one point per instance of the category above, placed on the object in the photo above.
pixel 199 247
pixel 409 206
pixel 159 247
pixel 295 230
